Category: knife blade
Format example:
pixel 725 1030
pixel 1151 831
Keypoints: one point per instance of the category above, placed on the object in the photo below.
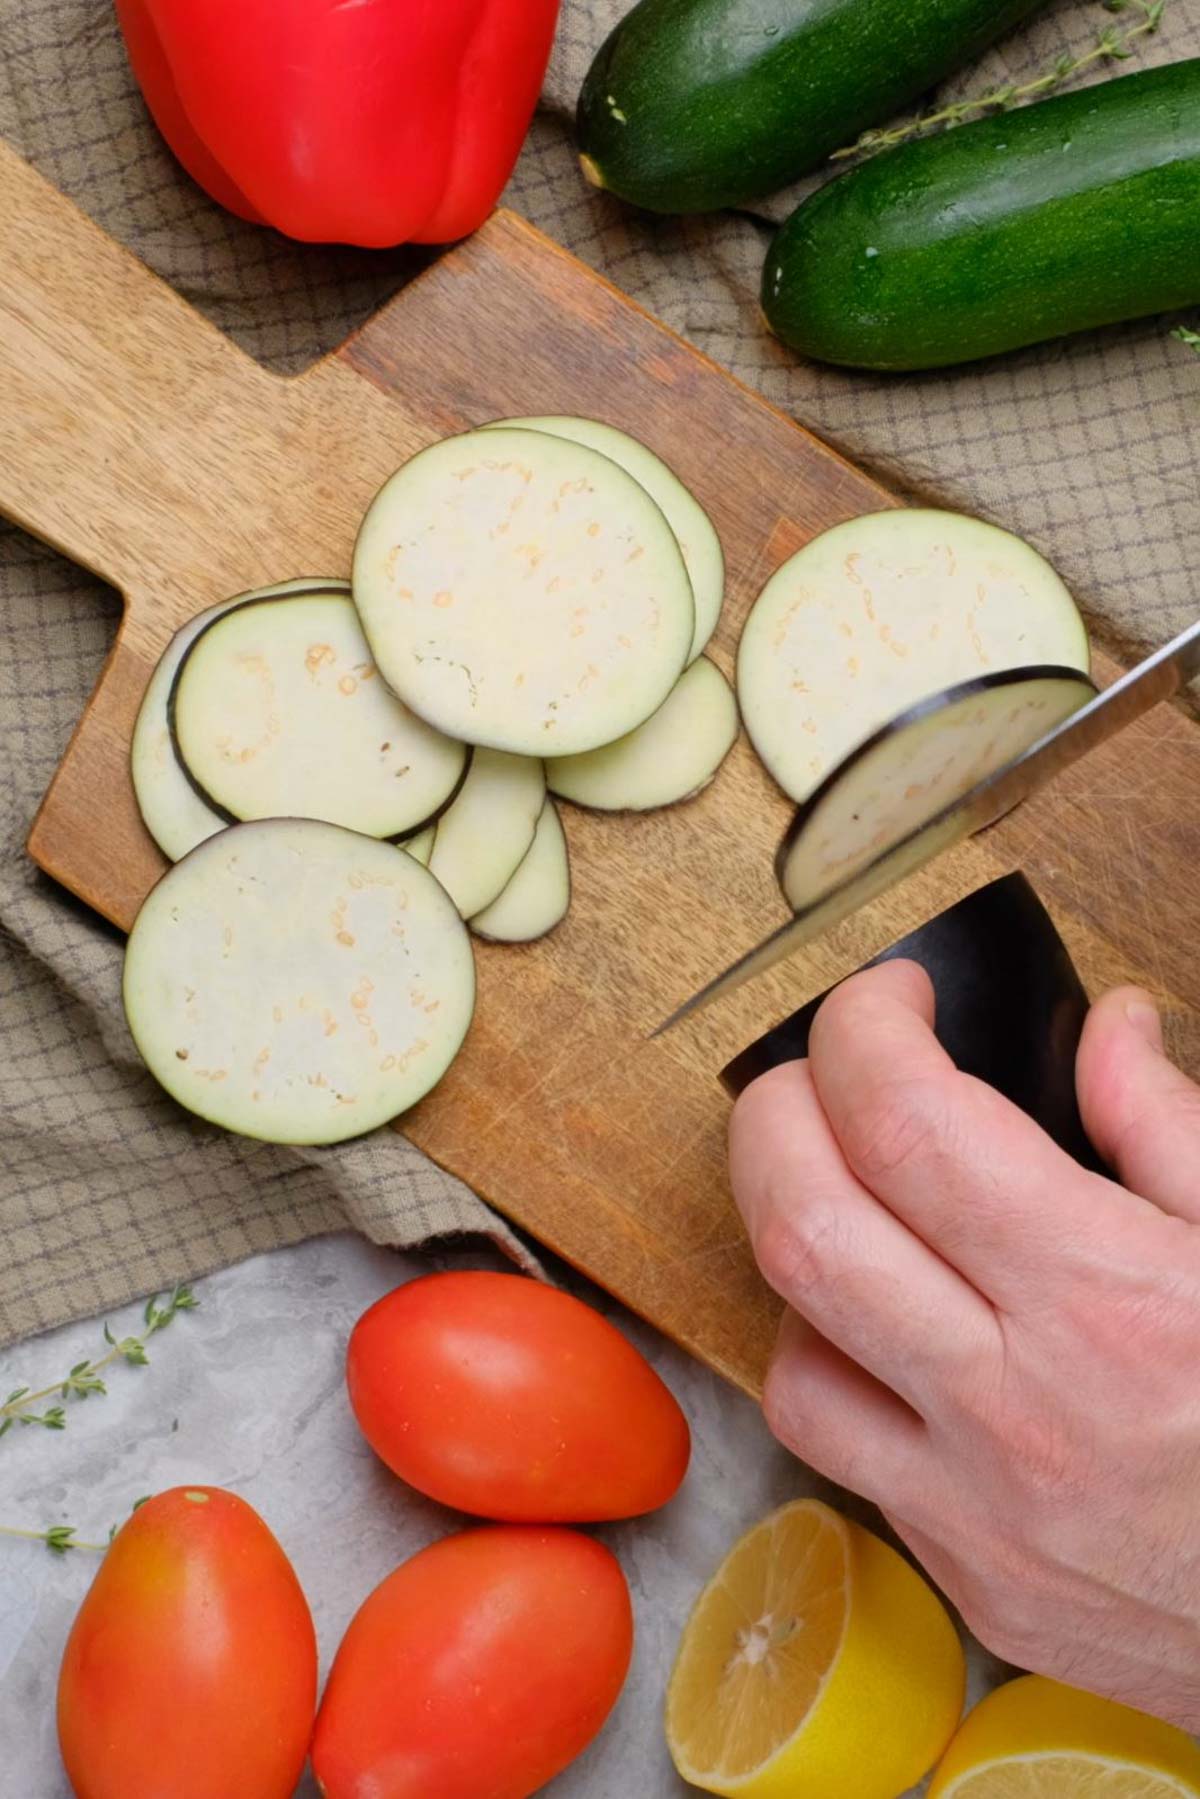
pixel 1145 686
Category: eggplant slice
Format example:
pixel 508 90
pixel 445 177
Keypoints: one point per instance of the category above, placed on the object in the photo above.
pixel 539 894
pixel 672 757
pixel 695 532
pixel 877 614
pixel 928 834
pixel 914 768
pixel 172 811
pixel 297 982
pixel 523 593
pixel 278 711
pixel 481 840
pixel 420 847
pixel 1010 1007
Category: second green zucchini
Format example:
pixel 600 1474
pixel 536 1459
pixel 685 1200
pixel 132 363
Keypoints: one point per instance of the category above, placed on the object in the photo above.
pixel 1077 212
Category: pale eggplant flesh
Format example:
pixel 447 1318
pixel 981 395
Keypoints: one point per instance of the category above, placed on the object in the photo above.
pixel 912 769
pixel 277 711
pixel 695 532
pixel 537 897
pixel 520 592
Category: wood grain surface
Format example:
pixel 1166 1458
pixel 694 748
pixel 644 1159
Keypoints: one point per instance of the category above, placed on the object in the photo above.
pixel 139 441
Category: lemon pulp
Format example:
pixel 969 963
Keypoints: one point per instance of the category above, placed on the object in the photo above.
pixel 816 1661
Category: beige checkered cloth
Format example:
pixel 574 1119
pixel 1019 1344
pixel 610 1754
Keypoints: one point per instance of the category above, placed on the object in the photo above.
pixel 1090 448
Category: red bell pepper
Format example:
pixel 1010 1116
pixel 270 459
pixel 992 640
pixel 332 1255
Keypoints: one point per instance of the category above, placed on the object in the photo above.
pixel 369 122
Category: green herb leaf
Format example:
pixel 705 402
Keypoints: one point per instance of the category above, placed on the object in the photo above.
pixel 85 1378
pixel 1113 45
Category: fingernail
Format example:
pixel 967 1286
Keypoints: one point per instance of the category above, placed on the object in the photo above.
pixel 1146 1022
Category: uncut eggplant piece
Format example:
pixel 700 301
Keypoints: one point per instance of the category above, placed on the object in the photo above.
pixel 523 593
pixel 914 768
pixel 672 757
pixel 879 613
pixel 695 532
pixel 278 711
pixel 296 982
pixel 172 811
pixel 1010 1007
pixel 539 894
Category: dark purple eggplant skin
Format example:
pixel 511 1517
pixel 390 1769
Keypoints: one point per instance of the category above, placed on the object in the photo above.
pixel 1010 1007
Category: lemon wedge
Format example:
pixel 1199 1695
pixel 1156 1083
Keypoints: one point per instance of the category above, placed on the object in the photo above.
pixel 1035 1739
pixel 816 1663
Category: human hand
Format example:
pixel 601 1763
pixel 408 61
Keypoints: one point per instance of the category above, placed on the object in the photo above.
pixel 997 1347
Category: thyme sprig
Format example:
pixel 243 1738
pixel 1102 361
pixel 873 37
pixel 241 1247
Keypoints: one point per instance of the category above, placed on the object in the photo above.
pixel 1115 45
pixel 59 1538
pixel 86 1377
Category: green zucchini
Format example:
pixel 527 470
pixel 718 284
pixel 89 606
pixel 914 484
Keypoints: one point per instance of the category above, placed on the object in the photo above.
pixel 696 104
pixel 1080 211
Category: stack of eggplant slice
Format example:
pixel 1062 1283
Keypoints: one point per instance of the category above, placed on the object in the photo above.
pixel 349 775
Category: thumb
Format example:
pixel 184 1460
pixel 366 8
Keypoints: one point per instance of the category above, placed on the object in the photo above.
pixel 1141 1112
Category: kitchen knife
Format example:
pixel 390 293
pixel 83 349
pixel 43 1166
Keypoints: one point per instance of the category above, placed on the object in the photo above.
pixel 979 804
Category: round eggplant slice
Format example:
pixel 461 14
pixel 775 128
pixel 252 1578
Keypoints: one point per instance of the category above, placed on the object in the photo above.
pixel 878 614
pixel 537 897
pixel 695 532
pixel 482 838
pixel 523 593
pixel 172 811
pixel 279 712
pixel 672 757
pixel 1010 1007
pixel 297 982
pixel 420 847
pixel 908 773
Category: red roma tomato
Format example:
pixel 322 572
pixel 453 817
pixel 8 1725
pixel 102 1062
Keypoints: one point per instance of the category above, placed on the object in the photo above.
pixel 499 1396
pixel 477 1670
pixel 191 1668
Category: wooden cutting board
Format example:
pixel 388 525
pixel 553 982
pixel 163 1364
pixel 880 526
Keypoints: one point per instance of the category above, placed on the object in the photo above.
pixel 140 442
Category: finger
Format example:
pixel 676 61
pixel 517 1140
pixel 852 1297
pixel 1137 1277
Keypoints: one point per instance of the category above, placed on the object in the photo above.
pixel 1141 1112
pixel 840 1420
pixel 966 1170
pixel 837 1256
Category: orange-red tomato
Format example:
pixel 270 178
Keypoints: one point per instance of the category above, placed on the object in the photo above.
pixel 191 1668
pixel 477 1670
pixel 499 1396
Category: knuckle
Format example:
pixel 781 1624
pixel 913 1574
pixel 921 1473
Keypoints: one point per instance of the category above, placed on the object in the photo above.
pixel 796 1418
pixel 842 1012
pixel 1142 1335
pixel 1043 1452
pixel 904 1126
pixel 1032 1441
pixel 794 1249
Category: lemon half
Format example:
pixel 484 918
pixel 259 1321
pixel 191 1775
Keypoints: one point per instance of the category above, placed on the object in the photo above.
pixel 1035 1739
pixel 816 1663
